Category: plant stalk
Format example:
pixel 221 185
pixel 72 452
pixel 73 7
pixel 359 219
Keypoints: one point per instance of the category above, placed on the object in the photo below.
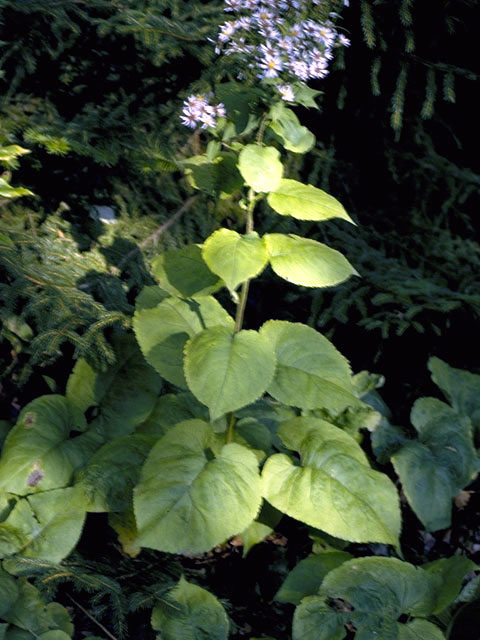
pixel 246 285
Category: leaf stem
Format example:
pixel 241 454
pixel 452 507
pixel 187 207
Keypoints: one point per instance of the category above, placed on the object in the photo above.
pixel 246 285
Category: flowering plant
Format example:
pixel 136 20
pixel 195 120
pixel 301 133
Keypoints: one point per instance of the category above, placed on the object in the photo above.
pixel 217 431
pixel 288 43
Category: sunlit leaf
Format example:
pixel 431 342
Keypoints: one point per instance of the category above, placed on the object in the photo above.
pixel 310 372
pixel 162 331
pixel 189 500
pixel 306 262
pixel 260 167
pixel 227 370
pixel 235 257
pixel 333 488
pixel 305 202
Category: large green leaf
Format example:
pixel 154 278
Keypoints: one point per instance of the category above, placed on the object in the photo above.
pixel 452 572
pixel 462 388
pixel 306 262
pixel 162 331
pixel 47 525
pixel 260 167
pixel 227 370
pixel 370 593
pixel 187 499
pixel 107 481
pixel 234 257
pixel 305 202
pixel 314 619
pixel 124 394
pixel 8 592
pixel 295 137
pixel 419 630
pixel 333 488
pixel 37 619
pixel 190 613
pixel 38 453
pixel 305 579
pixel 437 465
pixel 310 372
pixel 183 272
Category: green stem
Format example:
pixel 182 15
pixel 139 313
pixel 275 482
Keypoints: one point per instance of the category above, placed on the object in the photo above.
pixel 246 285
pixel 261 129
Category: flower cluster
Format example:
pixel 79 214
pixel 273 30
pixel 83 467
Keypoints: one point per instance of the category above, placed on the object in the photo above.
pixel 197 110
pixel 280 40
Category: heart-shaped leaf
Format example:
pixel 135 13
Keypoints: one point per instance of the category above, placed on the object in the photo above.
pixel 124 394
pixel 47 525
pixel 188 500
pixel 190 613
pixel 371 594
pixel 38 453
pixel 108 480
pixel 163 330
pixel 234 257
pixel 227 370
pixel 437 465
pixel 333 480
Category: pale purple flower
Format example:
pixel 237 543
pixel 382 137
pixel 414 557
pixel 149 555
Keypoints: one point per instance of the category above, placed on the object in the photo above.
pixel 189 118
pixel 345 42
pixel 271 64
pixel 286 92
pixel 220 110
